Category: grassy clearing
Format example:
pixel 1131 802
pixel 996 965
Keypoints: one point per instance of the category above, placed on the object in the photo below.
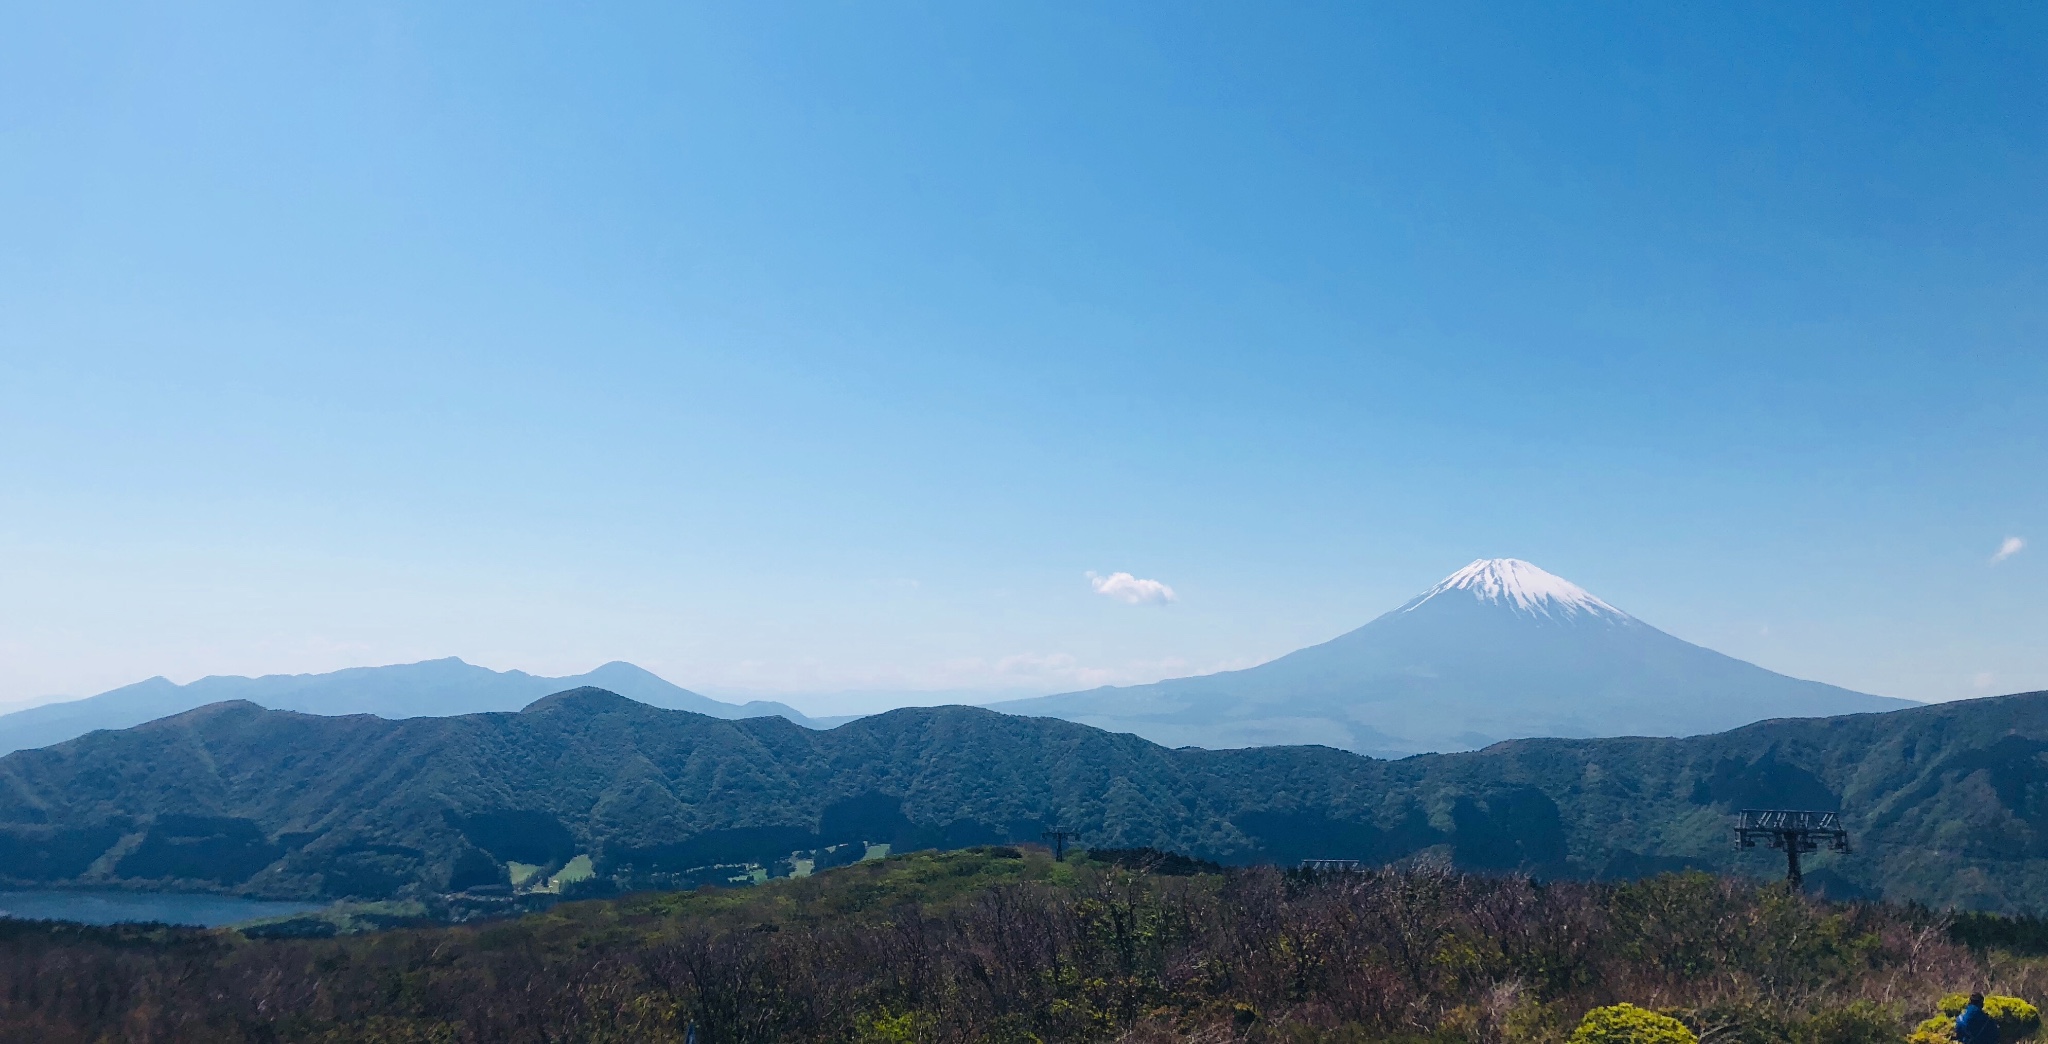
pixel 577 869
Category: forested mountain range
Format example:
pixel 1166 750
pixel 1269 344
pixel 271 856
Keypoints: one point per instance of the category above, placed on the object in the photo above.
pixel 1498 650
pixel 1948 804
pixel 403 690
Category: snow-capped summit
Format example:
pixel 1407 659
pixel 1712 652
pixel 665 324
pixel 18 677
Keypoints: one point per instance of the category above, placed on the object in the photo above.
pixel 1499 650
pixel 1524 587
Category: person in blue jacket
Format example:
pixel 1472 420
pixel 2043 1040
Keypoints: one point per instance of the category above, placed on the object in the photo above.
pixel 1973 1026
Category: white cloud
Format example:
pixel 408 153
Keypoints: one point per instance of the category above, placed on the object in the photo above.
pixel 2011 547
pixel 1130 589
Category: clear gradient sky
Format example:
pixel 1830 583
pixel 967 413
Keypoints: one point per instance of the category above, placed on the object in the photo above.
pixel 803 348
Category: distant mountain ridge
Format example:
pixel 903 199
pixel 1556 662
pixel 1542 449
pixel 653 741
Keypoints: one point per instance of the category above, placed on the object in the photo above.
pixel 430 687
pixel 1947 804
pixel 1498 650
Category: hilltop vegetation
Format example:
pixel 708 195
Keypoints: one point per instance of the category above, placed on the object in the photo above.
pixel 998 944
pixel 1947 804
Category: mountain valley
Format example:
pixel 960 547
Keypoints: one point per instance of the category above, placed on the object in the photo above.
pixel 1944 801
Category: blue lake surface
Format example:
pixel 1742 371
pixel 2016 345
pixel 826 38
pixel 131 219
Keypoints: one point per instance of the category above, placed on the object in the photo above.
pixel 209 911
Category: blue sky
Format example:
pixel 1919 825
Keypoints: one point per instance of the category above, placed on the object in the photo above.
pixel 829 348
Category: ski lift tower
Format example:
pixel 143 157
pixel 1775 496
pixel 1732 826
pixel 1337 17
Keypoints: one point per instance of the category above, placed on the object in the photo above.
pixel 1333 866
pixel 1059 839
pixel 1793 831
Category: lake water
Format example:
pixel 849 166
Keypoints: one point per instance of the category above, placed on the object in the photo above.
pixel 210 911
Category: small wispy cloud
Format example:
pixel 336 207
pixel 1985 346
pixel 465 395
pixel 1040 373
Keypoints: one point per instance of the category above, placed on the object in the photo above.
pixel 1131 590
pixel 2011 547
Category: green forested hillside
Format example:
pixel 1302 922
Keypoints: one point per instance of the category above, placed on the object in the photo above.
pixel 1948 804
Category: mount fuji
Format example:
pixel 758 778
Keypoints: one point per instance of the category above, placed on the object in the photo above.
pixel 1498 650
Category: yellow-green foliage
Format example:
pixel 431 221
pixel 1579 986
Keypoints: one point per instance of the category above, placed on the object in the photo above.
pixel 884 1028
pixel 1628 1024
pixel 1940 1029
pixel 2015 1017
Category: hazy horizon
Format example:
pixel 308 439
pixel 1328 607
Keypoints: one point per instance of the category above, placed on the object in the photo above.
pixel 856 701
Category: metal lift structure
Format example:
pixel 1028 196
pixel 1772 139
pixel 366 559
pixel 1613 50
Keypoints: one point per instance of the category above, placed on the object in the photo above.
pixel 1794 831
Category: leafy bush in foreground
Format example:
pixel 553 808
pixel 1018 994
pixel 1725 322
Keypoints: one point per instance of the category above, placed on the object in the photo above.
pixel 1627 1024
pixel 2016 1018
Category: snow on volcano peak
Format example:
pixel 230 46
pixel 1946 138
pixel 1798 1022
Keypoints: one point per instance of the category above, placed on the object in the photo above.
pixel 1515 583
